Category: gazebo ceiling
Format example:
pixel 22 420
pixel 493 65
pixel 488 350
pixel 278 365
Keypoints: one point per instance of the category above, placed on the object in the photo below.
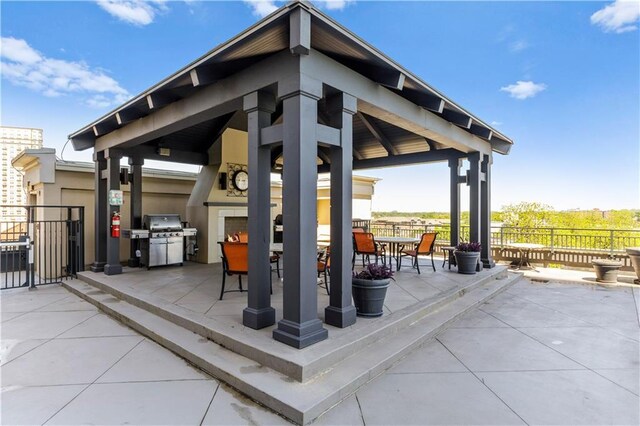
pixel 373 138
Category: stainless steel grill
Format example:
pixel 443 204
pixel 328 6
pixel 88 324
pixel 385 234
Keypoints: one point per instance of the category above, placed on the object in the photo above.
pixel 165 245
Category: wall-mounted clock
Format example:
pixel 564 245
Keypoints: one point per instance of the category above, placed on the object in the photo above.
pixel 238 176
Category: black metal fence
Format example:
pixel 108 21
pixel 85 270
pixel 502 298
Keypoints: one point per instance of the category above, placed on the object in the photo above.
pixel 46 247
pixel 568 246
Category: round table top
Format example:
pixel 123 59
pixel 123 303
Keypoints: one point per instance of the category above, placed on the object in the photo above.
pixel 526 245
pixel 397 240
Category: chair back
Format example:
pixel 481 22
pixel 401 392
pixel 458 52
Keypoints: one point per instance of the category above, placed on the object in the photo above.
pixel 243 237
pixel 427 241
pixel 365 242
pixel 235 256
pixel 357 230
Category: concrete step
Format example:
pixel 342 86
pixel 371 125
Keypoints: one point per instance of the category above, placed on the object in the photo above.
pixel 299 365
pixel 298 401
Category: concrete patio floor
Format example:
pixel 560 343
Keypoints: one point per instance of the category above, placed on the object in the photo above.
pixel 538 354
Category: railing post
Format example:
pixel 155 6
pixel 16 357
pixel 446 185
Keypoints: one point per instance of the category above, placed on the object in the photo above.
pixel 31 272
pixel 501 236
pixel 552 238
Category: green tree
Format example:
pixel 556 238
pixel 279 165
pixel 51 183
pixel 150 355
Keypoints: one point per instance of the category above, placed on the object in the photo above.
pixel 527 215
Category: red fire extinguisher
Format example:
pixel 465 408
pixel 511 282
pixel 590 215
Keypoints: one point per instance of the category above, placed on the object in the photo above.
pixel 115 225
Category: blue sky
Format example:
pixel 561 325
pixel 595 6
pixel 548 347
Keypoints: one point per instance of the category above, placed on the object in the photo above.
pixel 560 78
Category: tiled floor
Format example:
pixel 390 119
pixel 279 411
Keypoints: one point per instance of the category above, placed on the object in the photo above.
pixel 537 354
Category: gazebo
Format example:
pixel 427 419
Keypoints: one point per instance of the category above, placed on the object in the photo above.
pixel 314 96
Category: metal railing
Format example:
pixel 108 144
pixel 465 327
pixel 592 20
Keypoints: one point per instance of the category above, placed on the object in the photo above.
pixel 46 248
pixel 567 246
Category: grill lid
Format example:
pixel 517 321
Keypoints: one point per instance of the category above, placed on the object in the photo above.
pixel 162 222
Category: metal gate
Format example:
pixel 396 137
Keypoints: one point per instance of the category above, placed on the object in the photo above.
pixel 46 247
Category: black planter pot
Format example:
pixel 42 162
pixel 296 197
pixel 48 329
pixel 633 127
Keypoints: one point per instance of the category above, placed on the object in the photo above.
pixel 467 261
pixel 368 296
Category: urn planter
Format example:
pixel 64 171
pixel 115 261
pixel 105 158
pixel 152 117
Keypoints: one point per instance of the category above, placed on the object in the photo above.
pixel 368 296
pixel 467 261
pixel 606 270
pixel 634 255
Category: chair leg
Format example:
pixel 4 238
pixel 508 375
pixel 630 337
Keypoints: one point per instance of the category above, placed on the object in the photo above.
pixel 326 281
pixel 433 265
pixel 240 282
pixel 270 283
pixel 222 289
pixel 417 264
pixel 353 260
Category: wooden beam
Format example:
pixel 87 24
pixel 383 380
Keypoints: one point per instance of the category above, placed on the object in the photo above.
pixel 481 131
pixel 327 135
pixel 271 135
pixel 158 100
pixel 457 118
pixel 326 159
pixel 127 115
pixel 357 154
pixel 406 159
pixel 176 156
pixel 203 75
pixel 390 78
pixel 300 32
pixel 377 134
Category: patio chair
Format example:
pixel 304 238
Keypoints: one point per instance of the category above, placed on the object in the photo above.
pixel 324 266
pixel 364 243
pixel 235 261
pixel 423 248
pixel 243 237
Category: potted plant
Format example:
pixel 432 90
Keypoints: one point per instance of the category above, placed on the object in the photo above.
pixel 369 288
pixel 467 256
pixel 606 270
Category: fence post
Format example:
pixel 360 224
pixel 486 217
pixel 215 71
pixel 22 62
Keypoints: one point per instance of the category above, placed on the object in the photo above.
pixel 552 238
pixel 501 237
pixel 394 229
pixel 31 272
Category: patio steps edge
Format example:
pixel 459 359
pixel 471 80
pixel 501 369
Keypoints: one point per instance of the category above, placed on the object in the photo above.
pixel 300 402
pixel 298 366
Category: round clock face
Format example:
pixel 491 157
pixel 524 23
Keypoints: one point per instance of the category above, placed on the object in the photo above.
pixel 241 180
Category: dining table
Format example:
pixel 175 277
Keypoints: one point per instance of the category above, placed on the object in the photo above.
pixel 395 246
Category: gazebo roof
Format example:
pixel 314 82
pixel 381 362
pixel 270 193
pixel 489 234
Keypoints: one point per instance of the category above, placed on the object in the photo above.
pixel 373 138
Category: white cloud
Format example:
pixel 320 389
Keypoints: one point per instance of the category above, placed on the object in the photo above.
pixel 523 89
pixel 620 16
pixel 518 46
pixel 334 4
pixel 262 8
pixel 496 123
pixel 136 12
pixel 24 66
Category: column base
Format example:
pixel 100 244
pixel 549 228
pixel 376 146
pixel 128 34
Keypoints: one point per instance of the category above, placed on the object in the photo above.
pixel 300 335
pixel 133 262
pixel 340 317
pixel 112 269
pixel 488 263
pixel 258 318
pixel 97 266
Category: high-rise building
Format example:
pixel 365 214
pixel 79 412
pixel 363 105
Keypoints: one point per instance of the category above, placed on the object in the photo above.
pixel 13 140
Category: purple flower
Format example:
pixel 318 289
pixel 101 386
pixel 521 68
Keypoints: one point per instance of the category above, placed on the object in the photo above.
pixel 469 247
pixel 374 272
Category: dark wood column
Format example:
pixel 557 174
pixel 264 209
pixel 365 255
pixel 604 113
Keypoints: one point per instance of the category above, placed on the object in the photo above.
pixel 135 208
pixel 341 312
pixel 485 215
pixel 300 325
pixel 259 313
pixel 454 206
pixel 473 180
pixel 100 213
pixel 113 266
